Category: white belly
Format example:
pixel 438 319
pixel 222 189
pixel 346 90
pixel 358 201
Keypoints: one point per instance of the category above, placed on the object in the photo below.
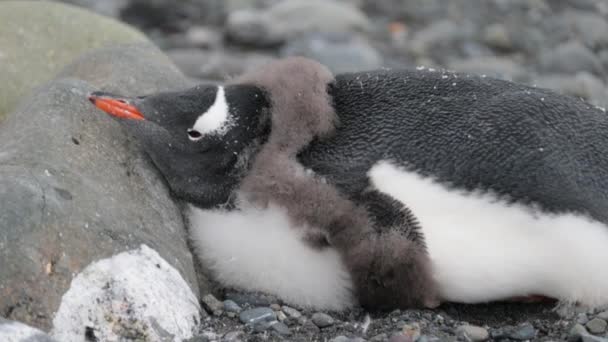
pixel 482 249
pixel 259 250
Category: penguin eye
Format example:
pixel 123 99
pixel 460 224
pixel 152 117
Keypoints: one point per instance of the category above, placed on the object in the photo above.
pixel 194 135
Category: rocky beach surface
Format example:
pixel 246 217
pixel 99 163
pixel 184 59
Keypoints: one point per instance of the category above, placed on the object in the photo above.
pixel 72 182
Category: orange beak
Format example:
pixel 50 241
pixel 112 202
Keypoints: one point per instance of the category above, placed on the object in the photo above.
pixel 115 106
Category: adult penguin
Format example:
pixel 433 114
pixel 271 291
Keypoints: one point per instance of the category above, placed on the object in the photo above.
pixel 508 183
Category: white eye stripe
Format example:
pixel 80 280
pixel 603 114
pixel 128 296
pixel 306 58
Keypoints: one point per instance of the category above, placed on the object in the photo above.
pixel 216 120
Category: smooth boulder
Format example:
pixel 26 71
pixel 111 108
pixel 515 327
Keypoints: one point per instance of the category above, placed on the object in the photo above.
pixel 39 38
pixel 87 224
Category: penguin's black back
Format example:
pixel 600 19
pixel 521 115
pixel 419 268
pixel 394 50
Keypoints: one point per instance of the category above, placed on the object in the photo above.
pixel 525 144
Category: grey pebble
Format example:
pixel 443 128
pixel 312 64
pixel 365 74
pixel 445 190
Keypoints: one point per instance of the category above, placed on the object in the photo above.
pixel 592 338
pixel 275 307
pixel 281 329
pixel 256 315
pixel 212 304
pixel 199 338
pixel 263 326
pixel 497 36
pixel 291 312
pixel 379 338
pixel 576 332
pixel 281 316
pixel 343 338
pixel 231 306
pixel 521 332
pixel 596 326
pixel 399 337
pixel 426 338
pixel 582 318
pixel 472 333
pixel 322 320
pixel 234 336
pixel 570 57
pixel 339 52
pixel 309 326
pixel 603 315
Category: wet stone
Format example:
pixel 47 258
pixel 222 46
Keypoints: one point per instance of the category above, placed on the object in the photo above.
pixel 596 326
pixel 603 315
pixel 291 312
pixel 521 332
pixel 281 329
pixel 322 320
pixel 231 306
pixel 576 332
pixel 212 304
pixel 256 315
pixel 234 336
pixel 472 333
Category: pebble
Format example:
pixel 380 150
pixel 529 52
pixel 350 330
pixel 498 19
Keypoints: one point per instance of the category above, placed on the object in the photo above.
pixel 603 315
pixel 262 326
pixel 212 304
pixel 497 36
pixel 322 320
pixel 582 318
pixel 343 338
pixel 400 337
pixel 596 326
pixel 472 333
pixel 281 329
pixel 234 336
pixel 200 36
pixel 521 332
pixel 275 307
pixel 411 331
pixel 339 52
pixel 256 315
pixel 570 57
pixel 576 332
pixel 592 338
pixel 310 327
pixel 291 312
pixel 499 67
pixel 290 18
pixel 379 338
pixel 231 306
pixel 281 316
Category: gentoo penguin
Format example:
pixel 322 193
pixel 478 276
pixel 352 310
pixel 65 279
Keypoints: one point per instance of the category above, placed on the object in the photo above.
pixel 509 183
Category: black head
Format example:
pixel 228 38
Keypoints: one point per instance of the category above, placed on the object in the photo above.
pixel 200 138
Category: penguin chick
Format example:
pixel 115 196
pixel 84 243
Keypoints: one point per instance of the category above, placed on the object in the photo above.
pixel 387 268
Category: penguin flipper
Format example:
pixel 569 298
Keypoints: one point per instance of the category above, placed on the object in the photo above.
pixel 391 267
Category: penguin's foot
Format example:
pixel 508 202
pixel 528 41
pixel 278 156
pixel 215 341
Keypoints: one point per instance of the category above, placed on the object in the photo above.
pixel 389 271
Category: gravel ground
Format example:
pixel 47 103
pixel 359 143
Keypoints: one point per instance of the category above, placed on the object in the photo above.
pixel 558 44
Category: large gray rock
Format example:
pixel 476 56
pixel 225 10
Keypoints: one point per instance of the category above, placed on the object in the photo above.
pixel 291 18
pixel 39 38
pixel 89 236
